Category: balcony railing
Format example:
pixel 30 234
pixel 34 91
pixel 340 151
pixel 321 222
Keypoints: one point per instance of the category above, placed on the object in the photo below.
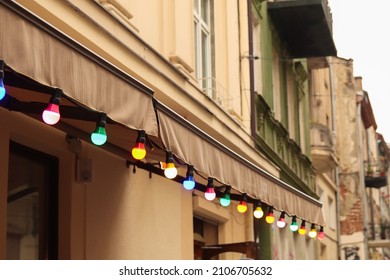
pixel 376 174
pixel 375 169
pixel 321 137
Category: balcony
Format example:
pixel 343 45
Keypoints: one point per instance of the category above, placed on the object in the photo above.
pixel 306 26
pixel 375 174
pixel 323 155
pixel 379 236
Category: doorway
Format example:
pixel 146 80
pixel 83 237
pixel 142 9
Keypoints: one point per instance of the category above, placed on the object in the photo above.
pixel 32 208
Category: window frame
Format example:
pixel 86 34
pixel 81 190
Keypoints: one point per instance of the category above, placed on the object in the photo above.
pixel 204 68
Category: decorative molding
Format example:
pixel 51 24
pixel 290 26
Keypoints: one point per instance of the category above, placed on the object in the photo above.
pixel 118 11
pixel 180 63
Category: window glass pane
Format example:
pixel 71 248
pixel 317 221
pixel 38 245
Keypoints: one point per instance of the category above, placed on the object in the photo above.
pixel 204 45
pixel 196 6
pixel 205 11
pixel 204 60
pixel 196 47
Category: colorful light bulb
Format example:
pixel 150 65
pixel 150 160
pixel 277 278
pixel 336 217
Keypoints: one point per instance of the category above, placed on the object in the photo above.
pixel 313 231
pixel 210 192
pixel 225 199
pixel 2 88
pixel 294 225
pixel 242 207
pixel 139 151
pixel 170 169
pixel 270 218
pixel 281 223
pixel 51 115
pixel 321 234
pixel 99 136
pixel 302 229
pixel 258 212
pixel 189 182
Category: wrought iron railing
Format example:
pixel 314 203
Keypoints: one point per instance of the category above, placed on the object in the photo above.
pixel 375 169
pixel 213 89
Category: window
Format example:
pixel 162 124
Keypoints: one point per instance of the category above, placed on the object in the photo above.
pixel 332 213
pixel 204 45
pixel 32 204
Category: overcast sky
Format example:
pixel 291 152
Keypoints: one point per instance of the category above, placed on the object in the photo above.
pixel 361 31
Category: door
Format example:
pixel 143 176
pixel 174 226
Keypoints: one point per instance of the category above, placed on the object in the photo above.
pixel 32 209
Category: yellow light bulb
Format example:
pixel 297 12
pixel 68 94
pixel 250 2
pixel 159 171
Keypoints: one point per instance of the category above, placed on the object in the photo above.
pixel 242 207
pixel 138 152
pixel 270 218
pixel 302 231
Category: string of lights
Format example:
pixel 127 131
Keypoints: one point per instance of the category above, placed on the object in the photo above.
pixel 51 115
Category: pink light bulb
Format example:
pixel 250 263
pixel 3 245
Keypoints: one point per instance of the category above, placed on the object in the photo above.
pixel 51 115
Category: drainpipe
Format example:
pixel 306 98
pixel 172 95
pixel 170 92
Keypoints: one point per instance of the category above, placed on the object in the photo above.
pixel 337 178
pixel 251 71
pixel 255 222
pixel 362 182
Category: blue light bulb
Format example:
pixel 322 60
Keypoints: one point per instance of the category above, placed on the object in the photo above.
pixel 2 89
pixel 189 183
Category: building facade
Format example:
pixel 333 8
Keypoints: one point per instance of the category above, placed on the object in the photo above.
pixel 216 88
pixel 363 167
pixel 323 134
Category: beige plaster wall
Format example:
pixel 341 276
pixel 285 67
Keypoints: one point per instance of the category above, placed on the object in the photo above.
pixel 321 110
pixel 130 216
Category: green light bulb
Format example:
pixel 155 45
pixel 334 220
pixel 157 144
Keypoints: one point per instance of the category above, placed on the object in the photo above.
pixel 99 136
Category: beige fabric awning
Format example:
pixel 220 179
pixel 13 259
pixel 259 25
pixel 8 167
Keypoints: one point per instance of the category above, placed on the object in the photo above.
pixel 212 158
pixel 83 76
